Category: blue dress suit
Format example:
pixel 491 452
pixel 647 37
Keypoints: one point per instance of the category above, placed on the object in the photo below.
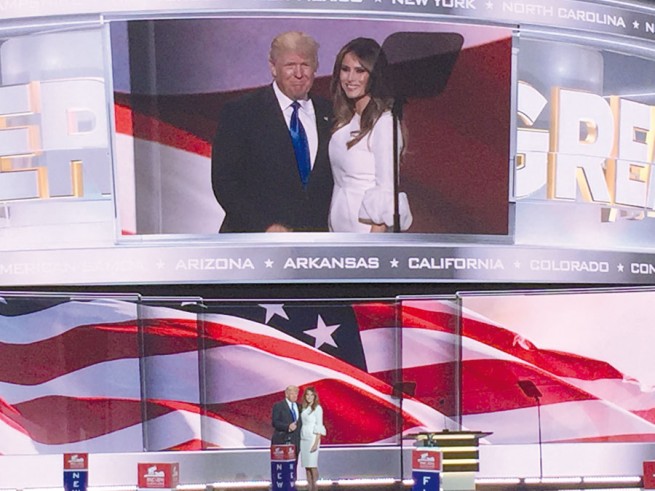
pixel 254 171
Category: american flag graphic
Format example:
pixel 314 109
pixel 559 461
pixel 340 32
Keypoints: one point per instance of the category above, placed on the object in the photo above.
pixel 110 375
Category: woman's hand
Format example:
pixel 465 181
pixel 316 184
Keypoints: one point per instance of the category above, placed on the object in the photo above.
pixel 375 228
pixel 314 448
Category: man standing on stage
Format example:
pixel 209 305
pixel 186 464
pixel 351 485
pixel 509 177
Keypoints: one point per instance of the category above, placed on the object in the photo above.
pixel 286 419
pixel 270 167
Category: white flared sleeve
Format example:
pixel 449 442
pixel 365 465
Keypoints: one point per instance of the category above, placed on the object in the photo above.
pixel 319 429
pixel 377 205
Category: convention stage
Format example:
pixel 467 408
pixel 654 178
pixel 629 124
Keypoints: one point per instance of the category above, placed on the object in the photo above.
pixel 502 467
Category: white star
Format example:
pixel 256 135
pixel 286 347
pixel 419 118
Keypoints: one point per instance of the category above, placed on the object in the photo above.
pixel 489 5
pixel 323 334
pixel 635 25
pixel 273 309
pixel 517 264
pixel 269 263
pixel 394 263
pixel 620 268
pixel 160 264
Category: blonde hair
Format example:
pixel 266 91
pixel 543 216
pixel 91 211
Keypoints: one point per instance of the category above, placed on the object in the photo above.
pixel 294 41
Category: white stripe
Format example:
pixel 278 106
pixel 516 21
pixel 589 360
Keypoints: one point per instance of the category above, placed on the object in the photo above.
pixel 54 321
pixel 173 377
pixel 224 434
pixel 115 379
pixel 170 377
pixel 167 431
pixel 423 347
pixel 624 393
pixel 563 421
pixel 13 441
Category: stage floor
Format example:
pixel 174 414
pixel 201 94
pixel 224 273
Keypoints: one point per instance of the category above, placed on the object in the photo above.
pixel 506 467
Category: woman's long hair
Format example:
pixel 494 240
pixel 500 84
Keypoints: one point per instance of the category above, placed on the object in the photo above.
pixel 370 55
pixel 316 401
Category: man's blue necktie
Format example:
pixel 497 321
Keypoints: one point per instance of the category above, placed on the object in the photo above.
pixel 300 145
pixel 293 412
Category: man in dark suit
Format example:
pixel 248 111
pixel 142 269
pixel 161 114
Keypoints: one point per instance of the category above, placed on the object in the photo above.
pixel 255 174
pixel 286 420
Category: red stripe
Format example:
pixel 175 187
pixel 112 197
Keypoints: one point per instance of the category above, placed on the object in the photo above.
pixel 643 437
pixel 196 444
pixel 351 415
pixel 151 129
pixel 60 355
pixel 375 315
pixel 75 349
pixel 49 419
pixel 492 385
pixel 555 362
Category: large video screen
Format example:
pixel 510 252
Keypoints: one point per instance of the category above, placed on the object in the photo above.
pixel 521 155
pixel 172 78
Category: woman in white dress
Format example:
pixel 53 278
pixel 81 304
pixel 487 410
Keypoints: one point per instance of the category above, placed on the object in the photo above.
pixel 311 431
pixel 361 147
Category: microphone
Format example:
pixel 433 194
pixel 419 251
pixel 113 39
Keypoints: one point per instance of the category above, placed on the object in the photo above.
pixel 442 403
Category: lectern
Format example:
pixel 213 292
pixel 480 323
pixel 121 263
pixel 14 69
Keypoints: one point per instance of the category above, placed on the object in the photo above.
pixel 283 467
pixel 460 456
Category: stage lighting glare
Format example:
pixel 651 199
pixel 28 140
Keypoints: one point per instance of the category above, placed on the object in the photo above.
pixel 498 480
pixel 364 482
pixel 185 487
pixel 613 479
pixel 242 485
pixel 552 480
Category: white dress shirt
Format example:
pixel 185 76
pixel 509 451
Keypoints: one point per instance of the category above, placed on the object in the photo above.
pixel 307 118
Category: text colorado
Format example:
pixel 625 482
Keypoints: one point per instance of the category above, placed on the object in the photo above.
pixel 566 266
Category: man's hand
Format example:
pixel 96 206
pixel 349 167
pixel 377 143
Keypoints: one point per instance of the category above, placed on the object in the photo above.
pixel 293 426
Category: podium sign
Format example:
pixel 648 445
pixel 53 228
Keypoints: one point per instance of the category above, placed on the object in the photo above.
pixel 283 468
pixel 158 475
pixel 76 471
pixel 649 474
pixel 426 467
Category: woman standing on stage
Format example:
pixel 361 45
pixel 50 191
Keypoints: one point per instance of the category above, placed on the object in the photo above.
pixel 361 146
pixel 310 435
